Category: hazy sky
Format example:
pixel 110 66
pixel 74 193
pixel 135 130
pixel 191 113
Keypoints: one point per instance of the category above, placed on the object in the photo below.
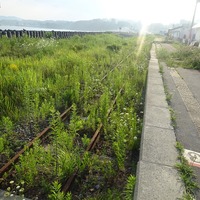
pixel 148 11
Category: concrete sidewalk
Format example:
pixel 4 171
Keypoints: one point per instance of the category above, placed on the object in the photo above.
pixel 157 178
pixel 184 88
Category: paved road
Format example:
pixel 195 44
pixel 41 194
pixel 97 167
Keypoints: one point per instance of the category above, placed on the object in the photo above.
pixel 184 86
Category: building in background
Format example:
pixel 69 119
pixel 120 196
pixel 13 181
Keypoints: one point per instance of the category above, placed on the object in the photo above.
pixel 196 33
pixel 179 33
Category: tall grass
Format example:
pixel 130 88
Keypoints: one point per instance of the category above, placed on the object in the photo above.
pixel 185 56
pixel 56 74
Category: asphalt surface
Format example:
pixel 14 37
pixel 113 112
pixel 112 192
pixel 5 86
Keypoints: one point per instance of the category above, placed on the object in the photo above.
pixel 184 87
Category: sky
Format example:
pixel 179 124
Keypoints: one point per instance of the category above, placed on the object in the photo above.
pixel 146 11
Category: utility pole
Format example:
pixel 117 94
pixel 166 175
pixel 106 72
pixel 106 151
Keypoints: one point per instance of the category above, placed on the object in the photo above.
pixel 190 35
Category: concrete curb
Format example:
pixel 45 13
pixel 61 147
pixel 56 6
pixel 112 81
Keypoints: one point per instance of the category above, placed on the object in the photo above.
pixel 157 177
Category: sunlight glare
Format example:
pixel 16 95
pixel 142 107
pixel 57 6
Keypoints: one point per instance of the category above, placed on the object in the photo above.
pixel 142 36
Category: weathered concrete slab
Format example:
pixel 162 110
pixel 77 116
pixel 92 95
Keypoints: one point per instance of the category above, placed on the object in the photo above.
pixel 154 73
pixel 154 63
pixel 155 94
pixel 158 146
pixel 157 116
pixel 153 55
pixel 156 176
pixel 156 100
pixel 158 182
pixel 154 88
pixel 155 80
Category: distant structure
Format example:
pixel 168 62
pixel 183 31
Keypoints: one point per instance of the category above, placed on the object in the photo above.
pixel 196 32
pixel 188 35
pixel 182 34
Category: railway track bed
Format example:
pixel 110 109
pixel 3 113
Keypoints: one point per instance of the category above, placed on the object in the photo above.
pixel 90 150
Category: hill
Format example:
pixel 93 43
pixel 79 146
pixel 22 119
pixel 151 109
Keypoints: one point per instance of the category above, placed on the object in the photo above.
pixel 82 25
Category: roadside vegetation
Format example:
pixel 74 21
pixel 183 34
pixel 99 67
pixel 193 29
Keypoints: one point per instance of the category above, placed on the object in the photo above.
pixel 187 175
pixel 40 78
pixel 185 56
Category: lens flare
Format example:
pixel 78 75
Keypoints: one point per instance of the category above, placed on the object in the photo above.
pixel 141 38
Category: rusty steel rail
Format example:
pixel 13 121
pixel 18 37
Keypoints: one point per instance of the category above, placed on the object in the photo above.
pixel 69 181
pixel 42 134
pixel 118 64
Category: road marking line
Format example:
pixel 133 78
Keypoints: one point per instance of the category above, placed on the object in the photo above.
pixel 192 157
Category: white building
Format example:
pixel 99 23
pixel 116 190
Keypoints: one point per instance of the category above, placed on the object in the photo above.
pixel 180 33
pixel 196 33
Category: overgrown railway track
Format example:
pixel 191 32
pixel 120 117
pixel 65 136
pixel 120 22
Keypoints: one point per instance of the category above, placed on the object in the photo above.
pixel 41 136
pixel 44 134
pixel 90 140
pixel 69 181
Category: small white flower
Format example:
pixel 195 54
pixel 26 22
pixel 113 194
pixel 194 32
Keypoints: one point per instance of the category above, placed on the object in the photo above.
pixel 21 190
pixel 11 182
pixel 135 138
pixel 18 187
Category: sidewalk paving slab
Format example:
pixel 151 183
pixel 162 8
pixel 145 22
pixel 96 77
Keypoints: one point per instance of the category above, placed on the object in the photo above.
pixel 157 177
pixel 156 100
pixel 158 146
pixel 155 88
pixel 158 117
pixel 157 80
pixel 158 182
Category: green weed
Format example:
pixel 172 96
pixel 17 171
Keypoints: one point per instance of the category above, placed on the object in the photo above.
pixel 56 193
pixel 187 174
pixel 129 188
pixel 173 116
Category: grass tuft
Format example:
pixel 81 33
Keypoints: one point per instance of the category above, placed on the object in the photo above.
pixel 187 174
